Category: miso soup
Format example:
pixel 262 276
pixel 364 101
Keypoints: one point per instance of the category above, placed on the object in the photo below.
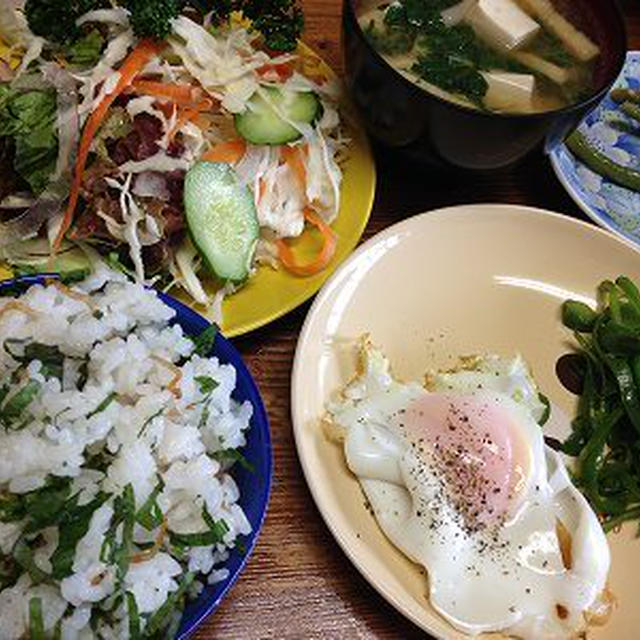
pixel 511 56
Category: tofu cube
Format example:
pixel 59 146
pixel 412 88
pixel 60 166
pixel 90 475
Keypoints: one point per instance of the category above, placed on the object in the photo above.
pixel 502 24
pixel 512 92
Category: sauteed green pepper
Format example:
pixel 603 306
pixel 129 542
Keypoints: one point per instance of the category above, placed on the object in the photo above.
pixel 601 163
pixel 605 436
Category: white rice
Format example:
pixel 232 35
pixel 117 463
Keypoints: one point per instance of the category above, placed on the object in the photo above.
pixel 147 425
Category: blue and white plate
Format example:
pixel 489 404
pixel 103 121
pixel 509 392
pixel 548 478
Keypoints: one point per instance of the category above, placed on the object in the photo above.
pixel 616 135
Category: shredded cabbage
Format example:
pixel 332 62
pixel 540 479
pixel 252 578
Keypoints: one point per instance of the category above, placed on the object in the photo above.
pixel 187 260
pixel 282 204
pixel 117 16
pixel 13 26
pixel 157 162
pixel 224 63
pixel 34 49
pixel 128 231
pixel 112 56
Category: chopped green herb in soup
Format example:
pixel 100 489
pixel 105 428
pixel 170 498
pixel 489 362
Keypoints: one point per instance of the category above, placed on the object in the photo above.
pixel 514 56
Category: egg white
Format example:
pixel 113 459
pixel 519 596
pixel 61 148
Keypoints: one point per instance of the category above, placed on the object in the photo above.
pixel 510 578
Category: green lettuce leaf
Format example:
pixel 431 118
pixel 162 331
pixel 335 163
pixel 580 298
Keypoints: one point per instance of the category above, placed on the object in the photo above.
pixel 86 50
pixel 29 119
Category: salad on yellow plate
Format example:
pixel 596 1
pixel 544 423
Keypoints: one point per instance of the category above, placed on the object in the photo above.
pixel 196 146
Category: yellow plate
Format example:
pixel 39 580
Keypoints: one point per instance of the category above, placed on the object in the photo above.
pixel 271 293
pixel 463 280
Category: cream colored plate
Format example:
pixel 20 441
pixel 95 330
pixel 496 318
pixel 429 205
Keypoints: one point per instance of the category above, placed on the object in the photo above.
pixel 464 280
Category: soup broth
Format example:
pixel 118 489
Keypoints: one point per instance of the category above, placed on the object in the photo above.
pixel 510 56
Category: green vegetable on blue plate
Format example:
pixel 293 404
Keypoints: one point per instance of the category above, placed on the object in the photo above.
pixel 629 101
pixel 631 109
pixel 601 163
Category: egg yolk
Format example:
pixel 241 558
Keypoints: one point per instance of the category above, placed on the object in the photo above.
pixel 477 450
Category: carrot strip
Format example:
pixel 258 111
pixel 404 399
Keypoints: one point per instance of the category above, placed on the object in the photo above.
pixel 293 158
pixel 288 259
pixel 230 151
pixel 135 61
pixel 183 94
pixel 188 114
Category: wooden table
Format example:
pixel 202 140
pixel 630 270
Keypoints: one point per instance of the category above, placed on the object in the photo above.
pixel 298 583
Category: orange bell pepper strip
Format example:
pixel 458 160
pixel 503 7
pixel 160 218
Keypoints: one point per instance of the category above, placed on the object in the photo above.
pixel 132 65
pixel 320 262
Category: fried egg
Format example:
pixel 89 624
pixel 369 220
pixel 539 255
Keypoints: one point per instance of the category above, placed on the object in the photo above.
pixel 460 480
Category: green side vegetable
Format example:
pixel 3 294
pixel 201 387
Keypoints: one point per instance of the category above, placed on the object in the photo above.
pixel 546 413
pixel 625 95
pixel 631 109
pixel 605 436
pixel 601 164
pixel 578 316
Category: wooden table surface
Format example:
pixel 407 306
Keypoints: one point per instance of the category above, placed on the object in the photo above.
pixel 298 582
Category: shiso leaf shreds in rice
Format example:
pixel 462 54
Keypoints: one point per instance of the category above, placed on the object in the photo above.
pixel 116 437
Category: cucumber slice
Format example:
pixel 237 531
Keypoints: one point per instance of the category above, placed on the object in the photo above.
pixel 221 218
pixel 260 124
